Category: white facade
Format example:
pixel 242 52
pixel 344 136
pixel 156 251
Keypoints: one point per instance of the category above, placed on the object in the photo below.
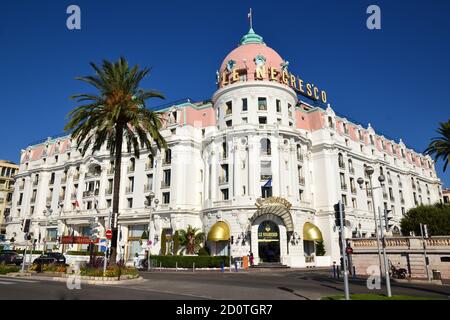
pixel 220 160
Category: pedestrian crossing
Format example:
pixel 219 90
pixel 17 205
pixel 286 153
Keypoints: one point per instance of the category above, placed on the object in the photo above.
pixel 11 281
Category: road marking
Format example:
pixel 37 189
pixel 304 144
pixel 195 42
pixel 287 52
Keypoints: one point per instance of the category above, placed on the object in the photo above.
pixel 14 280
pixel 1 282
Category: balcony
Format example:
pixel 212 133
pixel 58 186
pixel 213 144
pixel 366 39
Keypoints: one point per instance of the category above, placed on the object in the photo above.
pixel 223 180
pixel 90 193
pixel 165 184
pixel 344 186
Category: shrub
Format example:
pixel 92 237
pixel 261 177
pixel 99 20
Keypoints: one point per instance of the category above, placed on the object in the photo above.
pixel 4 269
pixel 163 242
pixel 112 271
pixel 203 252
pixel 176 243
pixel 187 261
pixel 434 216
pixel 320 249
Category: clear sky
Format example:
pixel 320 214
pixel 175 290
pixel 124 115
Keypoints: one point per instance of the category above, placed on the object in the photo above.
pixel 396 78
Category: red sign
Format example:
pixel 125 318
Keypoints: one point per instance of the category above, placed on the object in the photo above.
pixel 76 240
pixel 108 234
pixel 349 250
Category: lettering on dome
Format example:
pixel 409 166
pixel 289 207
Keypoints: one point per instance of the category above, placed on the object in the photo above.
pixel 283 76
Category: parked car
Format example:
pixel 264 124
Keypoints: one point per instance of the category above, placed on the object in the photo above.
pixel 50 258
pixel 10 257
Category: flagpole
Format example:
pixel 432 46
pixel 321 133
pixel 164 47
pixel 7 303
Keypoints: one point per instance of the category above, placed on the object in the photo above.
pixel 250 15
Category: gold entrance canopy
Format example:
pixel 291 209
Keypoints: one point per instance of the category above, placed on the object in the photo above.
pixel 219 232
pixel 311 232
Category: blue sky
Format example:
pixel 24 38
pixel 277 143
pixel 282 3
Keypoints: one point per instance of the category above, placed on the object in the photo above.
pixel 397 78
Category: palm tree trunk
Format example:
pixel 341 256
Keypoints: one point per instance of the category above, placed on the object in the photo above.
pixel 116 192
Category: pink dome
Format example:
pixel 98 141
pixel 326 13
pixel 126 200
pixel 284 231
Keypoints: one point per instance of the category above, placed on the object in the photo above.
pixel 243 57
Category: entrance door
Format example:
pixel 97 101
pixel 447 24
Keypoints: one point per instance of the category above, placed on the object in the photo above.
pixel 269 242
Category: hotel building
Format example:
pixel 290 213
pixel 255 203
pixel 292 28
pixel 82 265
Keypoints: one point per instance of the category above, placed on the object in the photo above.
pixel 7 171
pixel 257 168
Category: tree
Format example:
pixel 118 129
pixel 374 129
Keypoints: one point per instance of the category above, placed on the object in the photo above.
pixel 436 217
pixel 163 242
pixel 176 243
pixel 191 239
pixel 320 248
pixel 114 115
pixel 439 147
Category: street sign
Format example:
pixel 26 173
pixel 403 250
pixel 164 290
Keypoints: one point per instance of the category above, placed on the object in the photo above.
pixel 349 250
pixel 108 234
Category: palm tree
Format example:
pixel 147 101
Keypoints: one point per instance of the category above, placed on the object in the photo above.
pixel 191 239
pixel 115 114
pixel 439 147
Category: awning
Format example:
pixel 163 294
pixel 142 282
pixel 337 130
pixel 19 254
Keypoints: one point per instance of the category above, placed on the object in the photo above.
pixel 311 232
pixel 219 232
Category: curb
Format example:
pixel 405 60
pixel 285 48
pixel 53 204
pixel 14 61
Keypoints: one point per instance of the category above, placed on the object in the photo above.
pixel 83 279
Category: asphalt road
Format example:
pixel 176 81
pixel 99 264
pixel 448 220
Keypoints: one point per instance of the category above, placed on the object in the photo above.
pixel 255 285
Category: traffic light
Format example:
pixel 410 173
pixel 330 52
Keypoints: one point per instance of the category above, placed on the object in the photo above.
pixel 337 214
pixel 95 230
pixel 26 225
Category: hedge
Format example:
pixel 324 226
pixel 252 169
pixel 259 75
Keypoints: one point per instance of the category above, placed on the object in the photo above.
pixel 187 261
pixel 20 251
pixel 84 253
pixel 4 269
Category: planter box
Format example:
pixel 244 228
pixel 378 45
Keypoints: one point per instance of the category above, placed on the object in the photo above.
pixel 322 261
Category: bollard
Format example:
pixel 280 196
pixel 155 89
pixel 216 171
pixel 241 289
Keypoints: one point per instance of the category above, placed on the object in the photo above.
pixel 222 267
pixel 193 266
pixel 337 272
pixel 160 266
pixel 354 272
pixel 334 271
pixel 236 265
pixel 176 265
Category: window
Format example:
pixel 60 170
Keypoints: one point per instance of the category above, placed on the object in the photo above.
pixel 224 194
pixel 262 120
pixel 262 104
pixel 229 109
pixel 344 200
pixel 168 156
pixel 166 178
pixel 130 186
pixel 265 147
pixel 166 197
pixel 300 194
pixel 344 126
pixel 372 142
pixel 330 122
pixel 342 179
pixel 354 204
pixel 229 123
pixel 129 203
pixel 266 192
pixel 244 120
pixel 108 203
pixel 341 161
pixel 278 105
pixel 244 104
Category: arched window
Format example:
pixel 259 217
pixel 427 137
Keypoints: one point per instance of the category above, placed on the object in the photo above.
pixel 299 153
pixel 265 147
pixel 350 165
pixel 341 160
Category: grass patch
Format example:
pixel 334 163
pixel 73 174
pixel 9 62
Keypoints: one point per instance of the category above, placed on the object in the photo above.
pixel 370 296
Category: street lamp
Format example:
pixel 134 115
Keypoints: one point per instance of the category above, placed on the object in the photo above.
pixel 148 204
pixel 369 172
pixel 47 214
